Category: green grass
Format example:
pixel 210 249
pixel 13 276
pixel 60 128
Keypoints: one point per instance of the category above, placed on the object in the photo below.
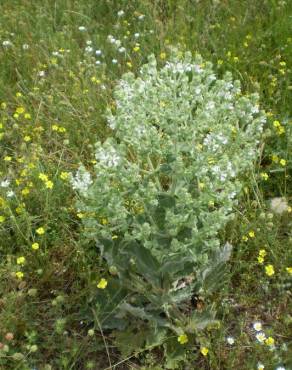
pixel 51 305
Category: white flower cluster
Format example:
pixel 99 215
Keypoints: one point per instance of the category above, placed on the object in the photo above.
pixel 81 181
pixel 182 140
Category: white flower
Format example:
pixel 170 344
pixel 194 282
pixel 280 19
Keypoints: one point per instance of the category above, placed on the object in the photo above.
pixel 121 13
pixel 81 180
pixel 25 46
pixel 230 340
pixel 257 326
pixel 122 49
pixel 7 43
pixel 97 62
pixel 111 39
pixel 89 49
pixel 261 337
pixel 117 43
pixel 41 73
pixel 141 17
pixel 98 52
pixel 5 183
pixel 279 205
pixel 136 35
pixel 88 42
pixel 108 157
pixel 260 366
pixel 82 28
pixel 280 368
pixel 114 61
pixel 10 194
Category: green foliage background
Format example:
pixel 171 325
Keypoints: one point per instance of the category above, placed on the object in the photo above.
pixel 49 309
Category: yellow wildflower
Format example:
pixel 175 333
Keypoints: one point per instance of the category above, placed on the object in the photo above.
pixel 20 110
pixel 102 284
pixel 43 177
pixel 270 341
pixel 64 175
pixel 40 231
pixel 264 176
pixel 19 274
pixel 162 56
pixel 251 234
pixel 49 184
pixel 182 339
pixel 104 221
pixel 289 270
pixel 35 246
pixel 204 351
pixel 2 219
pixel 283 162
pixel 262 253
pixel 270 270
pixel 276 124
pixel 25 191
pixel 20 260
pixel 260 260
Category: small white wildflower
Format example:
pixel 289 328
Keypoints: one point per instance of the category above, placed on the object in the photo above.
pixel 136 35
pixel 257 326
pixel 7 43
pixel 114 61
pixel 260 366
pixel 82 28
pixel 280 368
pixel 108 157
pixel 88 42
pixel 97 62
pixel 279 205
pixel 261 337
pixel 25 46
pixel 121 13
pixel 81 181
pixel 41 73
pixel 230 340
pixel 98 52
pixel 5 183
pixel 141 17
pixel 117 43
pixel 88 49
pixel 111 39
pixel 10 194
pixel 122 49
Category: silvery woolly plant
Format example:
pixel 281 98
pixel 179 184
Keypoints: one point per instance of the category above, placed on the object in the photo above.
pixel 165 183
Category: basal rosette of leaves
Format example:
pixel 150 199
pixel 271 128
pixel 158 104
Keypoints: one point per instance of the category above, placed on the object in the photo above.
pixel 164 184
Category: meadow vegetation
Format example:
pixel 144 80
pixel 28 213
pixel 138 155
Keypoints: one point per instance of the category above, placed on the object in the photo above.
pixel 61 63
